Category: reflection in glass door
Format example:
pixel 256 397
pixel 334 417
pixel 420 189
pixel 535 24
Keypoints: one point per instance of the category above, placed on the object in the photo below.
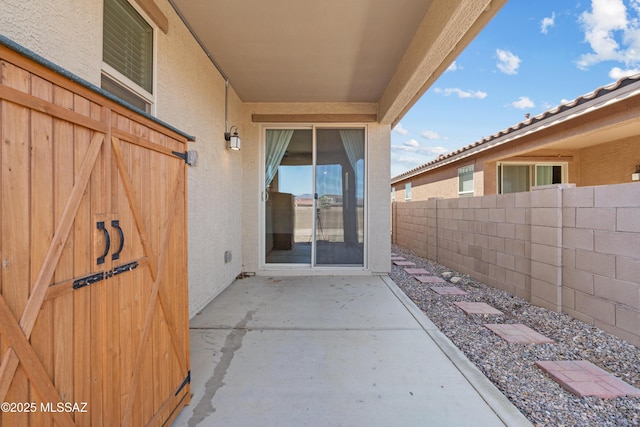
pixel 340 191
pixel 314 202
pixel 288 196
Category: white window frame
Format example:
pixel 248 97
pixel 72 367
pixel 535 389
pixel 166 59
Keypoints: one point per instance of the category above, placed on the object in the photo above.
pixel 128 84
pixel 393 194
pixel 532 172
pixel 462 170
pixel 407 191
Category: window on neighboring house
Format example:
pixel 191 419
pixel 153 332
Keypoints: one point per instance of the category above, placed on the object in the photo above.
pixel 127 54
pixel 407 191
pixel 393 193
pixel 465 181
pixel 518 177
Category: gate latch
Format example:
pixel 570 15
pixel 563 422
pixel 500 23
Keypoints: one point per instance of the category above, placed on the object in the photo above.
pixel 88 280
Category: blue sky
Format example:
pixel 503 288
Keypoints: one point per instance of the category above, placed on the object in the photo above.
pixel 531 57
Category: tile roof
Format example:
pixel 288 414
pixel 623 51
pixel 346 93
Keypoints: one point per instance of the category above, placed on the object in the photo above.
pixel 546 116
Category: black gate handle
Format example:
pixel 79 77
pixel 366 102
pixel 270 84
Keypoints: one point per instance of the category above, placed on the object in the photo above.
pixel 100 225
pixel 116 224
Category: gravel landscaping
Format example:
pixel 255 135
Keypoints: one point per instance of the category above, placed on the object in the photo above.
pixel 511 366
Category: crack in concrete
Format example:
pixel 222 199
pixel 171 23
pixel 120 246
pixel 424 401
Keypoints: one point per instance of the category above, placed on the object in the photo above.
pixel 232 343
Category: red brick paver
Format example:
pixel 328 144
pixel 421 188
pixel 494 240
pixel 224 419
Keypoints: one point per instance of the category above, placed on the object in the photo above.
pixel 416 271
pixel 583 378
pixel 429 279
pixel 447 290
pixel 404 263
pixel 398 258
pixel 518 333
pixel 477 308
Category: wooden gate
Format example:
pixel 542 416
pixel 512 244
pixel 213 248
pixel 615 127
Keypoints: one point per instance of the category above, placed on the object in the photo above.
pixel 93 252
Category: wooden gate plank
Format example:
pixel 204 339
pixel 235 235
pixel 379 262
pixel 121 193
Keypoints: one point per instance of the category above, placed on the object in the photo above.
pixel 15 220
pixel 37 374
pixel 32 308
pixel 153 300
pixel 126 181
pixel 63 149
pixel 42 225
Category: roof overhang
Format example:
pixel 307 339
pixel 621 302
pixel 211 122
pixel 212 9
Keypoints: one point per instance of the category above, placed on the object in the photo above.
pixel 601 101
pixel 357 51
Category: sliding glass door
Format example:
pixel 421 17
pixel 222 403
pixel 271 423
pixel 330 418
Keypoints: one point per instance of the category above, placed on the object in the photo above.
pixel 314 196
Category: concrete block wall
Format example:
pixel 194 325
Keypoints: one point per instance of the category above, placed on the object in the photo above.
pixel 601 257
pixel 487 238
pixel 575 250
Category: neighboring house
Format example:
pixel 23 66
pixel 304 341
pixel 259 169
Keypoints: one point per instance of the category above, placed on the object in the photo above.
pixel 592 140
pixel 311 88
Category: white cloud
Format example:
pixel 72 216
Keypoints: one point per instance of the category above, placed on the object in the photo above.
pixel 412 143
pixel 611 34
pixel 461 93
pixel 617 73
pixel 523 102
pixel 548 22
pixel 429 134
pixel 413 146
pixel 454 67
pixel 508 63
pixel 402 131
pixel 408 161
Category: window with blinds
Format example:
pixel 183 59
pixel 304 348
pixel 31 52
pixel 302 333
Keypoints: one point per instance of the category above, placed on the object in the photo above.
pixel 127 48
pixel 465 181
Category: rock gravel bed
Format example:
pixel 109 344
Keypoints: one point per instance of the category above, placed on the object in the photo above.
pixel 511 366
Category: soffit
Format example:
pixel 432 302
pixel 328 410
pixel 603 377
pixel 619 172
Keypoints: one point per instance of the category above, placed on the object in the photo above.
pixel 306 50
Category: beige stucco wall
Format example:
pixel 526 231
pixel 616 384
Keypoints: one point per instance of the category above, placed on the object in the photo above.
pixel 66 32
pixel 189 96
pixel 609 163
pixel 378 166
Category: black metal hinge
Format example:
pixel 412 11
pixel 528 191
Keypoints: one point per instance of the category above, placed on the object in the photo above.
pixel 183 156
pixel 189 157
pixel 187 380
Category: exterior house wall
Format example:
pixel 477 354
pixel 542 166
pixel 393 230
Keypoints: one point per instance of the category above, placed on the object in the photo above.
pixel 596 136
pixel 561 247
pixel 609 163
pixel 377 178
pixel 602 164
pixel 190 95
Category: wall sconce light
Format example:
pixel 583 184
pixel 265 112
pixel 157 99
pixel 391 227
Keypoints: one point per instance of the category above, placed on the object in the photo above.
pixel 636 176
pixel 233 138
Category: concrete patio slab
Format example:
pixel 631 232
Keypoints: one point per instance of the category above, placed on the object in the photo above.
pixel 331 351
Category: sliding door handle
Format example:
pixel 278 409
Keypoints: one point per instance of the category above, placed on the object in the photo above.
pixel 116 224
pixel 101 227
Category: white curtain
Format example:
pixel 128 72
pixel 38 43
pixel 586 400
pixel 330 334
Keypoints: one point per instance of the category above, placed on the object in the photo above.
pixel 353 142
pixel 544 175
pixel 277 143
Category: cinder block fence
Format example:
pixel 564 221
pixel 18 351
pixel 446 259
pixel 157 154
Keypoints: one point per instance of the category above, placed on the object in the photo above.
pixel 569 249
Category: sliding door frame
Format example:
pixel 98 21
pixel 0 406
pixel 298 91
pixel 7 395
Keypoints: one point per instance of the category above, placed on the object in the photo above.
pixel 311 268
